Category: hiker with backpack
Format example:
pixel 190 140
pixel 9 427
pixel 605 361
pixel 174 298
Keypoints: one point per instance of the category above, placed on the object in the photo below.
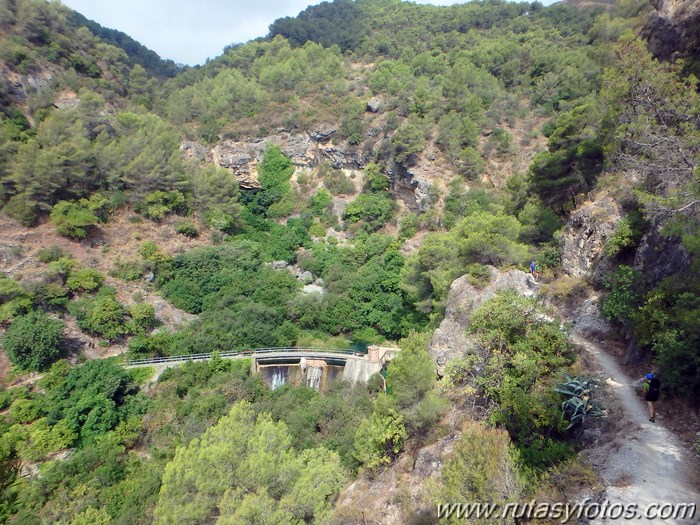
pixel 652 390
pixel 535 269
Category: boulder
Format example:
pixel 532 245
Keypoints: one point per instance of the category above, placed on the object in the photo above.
pixel 66 100
pixel 338 206
pixel 312 289
pixel 375 105
pixel 279 265
pixel 194 150
pixel 322 135
pixel 431 458
pixel 306 278
pixel 450 339
pixel 588 321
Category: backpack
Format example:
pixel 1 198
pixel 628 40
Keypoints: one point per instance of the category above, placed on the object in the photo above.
pixel 654 386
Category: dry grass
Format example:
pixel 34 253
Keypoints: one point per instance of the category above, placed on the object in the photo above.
pixel 566 482
pixel 566 290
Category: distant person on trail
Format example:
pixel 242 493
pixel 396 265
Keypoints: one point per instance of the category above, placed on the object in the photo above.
pixel 534 270
pixel 652 390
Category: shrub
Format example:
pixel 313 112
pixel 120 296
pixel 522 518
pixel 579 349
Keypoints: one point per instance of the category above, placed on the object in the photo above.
pixel 155 345
pixel 481 468
pixel 489 238
pixel 625 295
pixel 22 209
pixel 622 238
pixel 85 280
pixel 33 341
pixel 565 288
pixel 379 439
pixel 317 229
pixel 127 270
pixel 284 206
pixel 143 317
pixel 408 225
pixel 376 181
pixel 371 210
pixel 338 183
pixel 408 141
pixel 51 254
pixel 188 229
pixel 158 204
pixel 73 218
pixel 523 349
pixel 320 202
pixel 501 141
pixel 478 275
pixel 13 299
pixel 102 315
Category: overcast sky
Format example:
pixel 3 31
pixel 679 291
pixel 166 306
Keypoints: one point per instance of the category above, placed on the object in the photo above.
pixel 190 31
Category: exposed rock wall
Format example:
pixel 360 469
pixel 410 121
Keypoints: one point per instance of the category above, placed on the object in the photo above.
pixel 450 339
pixel 587 231
pixel 673 29
pixel 412 188
pixel 659 256
pixel 307 150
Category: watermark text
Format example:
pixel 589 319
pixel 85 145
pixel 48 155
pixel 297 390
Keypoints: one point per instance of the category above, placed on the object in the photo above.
pixel 567 512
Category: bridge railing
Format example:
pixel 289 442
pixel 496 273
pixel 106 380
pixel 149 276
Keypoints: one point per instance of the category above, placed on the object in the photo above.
pixel 238 353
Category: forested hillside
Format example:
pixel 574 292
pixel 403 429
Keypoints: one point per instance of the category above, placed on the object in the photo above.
pixel 325 185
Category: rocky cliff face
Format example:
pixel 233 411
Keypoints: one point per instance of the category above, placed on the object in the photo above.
pixel 20 88
pixel 659 256
pixel 308 150
pixel 673 29
pixel 450 339
pixel 587 231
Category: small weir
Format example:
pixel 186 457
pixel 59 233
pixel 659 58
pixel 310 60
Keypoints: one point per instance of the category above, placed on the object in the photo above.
pixel 314 373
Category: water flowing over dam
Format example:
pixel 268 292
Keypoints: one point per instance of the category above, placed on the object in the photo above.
pixel 319 372
pixel 314 373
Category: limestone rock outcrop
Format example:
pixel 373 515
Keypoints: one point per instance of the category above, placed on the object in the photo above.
pixel 305 149
pixel 412 188
pixel 450 339
pixel 673 29
pixel 308 150
pixel 374 105
pixel 588 321
pixel 587 231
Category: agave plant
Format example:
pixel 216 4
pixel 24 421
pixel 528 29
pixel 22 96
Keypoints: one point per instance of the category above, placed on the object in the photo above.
pixel 579 404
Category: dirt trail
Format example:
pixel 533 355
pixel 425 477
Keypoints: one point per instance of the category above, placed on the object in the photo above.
pixel 649 466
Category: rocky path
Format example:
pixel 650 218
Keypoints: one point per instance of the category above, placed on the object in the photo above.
pixel 647 466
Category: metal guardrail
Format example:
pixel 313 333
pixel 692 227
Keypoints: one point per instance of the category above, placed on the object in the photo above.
pixel 239 354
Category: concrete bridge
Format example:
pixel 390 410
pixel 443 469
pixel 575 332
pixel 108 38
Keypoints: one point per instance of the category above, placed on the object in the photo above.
pixel 357 367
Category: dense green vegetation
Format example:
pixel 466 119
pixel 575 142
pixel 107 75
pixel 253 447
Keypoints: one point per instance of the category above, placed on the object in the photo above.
pixel 469 86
